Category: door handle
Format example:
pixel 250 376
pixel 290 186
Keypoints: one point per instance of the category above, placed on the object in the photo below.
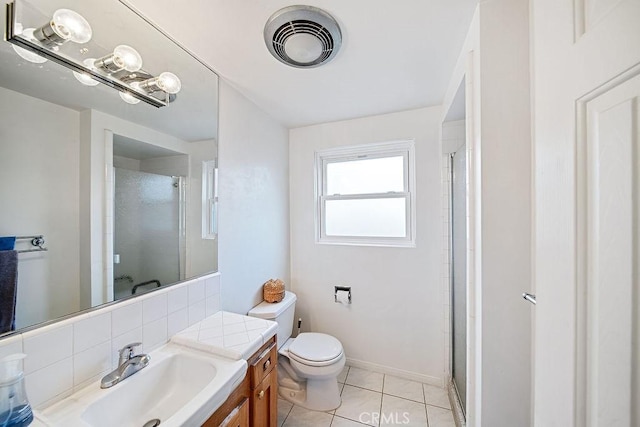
pixel 529 297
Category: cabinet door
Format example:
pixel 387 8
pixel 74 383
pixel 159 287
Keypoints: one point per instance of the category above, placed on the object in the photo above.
pixel 264 402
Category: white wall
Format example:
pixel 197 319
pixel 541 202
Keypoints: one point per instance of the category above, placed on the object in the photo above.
pixel 254 200
pixel 506 211
pixel 39 179
pixel 396 321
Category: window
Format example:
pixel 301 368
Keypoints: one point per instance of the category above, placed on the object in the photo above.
pixel 365 195
pixel 209 199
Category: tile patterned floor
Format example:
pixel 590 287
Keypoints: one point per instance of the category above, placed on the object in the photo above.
pixel 374 399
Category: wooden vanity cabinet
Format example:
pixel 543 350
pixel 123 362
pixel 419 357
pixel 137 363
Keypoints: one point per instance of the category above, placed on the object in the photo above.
pixel 254 403
pixel 238 400
pixel 263 369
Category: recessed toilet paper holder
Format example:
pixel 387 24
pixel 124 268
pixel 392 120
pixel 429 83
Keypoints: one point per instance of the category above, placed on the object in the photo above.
pixel 341 288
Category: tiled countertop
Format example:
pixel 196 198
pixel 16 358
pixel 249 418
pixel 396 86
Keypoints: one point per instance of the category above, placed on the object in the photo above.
pixel 227 334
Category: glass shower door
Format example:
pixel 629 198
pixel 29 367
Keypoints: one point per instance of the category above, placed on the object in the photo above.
pixel 148 231
pixel 459 276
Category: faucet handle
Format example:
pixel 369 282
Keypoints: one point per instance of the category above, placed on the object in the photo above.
pixel 126 352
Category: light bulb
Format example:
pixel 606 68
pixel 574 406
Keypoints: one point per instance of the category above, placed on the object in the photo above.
pixel 169 82
pixel 27 54
pixel 127 58
pixel 72 23
pixel 166 82
pixel 303 48
pixel 123 58
pixel 65 25
pixel 127 97
pixel 84 78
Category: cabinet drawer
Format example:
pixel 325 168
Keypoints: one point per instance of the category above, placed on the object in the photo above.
pixel 265 362
pixel 239 417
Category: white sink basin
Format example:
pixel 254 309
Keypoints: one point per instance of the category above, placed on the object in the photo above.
pixel 179 387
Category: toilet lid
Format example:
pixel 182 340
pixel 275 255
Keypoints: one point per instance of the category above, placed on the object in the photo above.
pixel 315 347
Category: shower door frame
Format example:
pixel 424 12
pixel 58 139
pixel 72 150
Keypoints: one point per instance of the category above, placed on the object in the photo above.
pixel 463 404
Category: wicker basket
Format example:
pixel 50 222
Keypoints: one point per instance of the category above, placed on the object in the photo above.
pixel 273 290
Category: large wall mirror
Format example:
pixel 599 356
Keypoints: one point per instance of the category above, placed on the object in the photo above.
pixel 108 159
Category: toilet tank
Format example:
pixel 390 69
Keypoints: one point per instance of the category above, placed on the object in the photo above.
pixel 282 312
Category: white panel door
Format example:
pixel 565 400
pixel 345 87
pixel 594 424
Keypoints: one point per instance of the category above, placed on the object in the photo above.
pixel 586 86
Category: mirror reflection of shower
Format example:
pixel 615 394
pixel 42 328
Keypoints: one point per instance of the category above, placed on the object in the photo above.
pixel 149 232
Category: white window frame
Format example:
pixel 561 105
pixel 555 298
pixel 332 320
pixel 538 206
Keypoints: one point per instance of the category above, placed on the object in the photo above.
pixel 404 148
pixel 209 200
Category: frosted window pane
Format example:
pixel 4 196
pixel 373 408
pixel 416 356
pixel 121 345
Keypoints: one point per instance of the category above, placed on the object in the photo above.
pixel 366 218
pixel 366 176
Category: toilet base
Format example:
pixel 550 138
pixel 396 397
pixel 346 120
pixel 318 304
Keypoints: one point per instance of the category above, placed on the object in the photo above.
pixel 317 395
pixel 323 395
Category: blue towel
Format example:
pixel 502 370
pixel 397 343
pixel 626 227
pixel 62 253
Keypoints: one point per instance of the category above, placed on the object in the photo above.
pixel 7 243
pixel 8 290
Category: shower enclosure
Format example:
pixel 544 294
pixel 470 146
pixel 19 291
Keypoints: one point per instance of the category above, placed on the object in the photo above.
pixel 458 273
pixel 149 231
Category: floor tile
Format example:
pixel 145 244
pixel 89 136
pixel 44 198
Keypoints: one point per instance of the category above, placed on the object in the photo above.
pixel 284 407
pixel 359 404
pixel 343 374
pixel 365 379
pixel 436 396
pixel 343 422
pixel 406 389
pixel 439 417
pixel 396 411
pixel 299 417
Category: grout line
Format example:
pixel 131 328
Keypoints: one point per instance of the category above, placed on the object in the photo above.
pixel 381 398
pixel 424 396
pixel 440 407
pixel 364 388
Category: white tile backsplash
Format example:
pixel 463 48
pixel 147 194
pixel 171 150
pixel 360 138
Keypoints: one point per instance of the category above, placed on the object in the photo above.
pixel 196 292
pixel 11 345
pixel 91 362
pixel 73 353
pixel 45 384
pixel 212 286
pixel 212 305
pixel 47 346
pixel 177 321
pixel 126 318
pixel 178 299
pixel 154 334
pixel 91 331
pixel 154 308
pixel 197 312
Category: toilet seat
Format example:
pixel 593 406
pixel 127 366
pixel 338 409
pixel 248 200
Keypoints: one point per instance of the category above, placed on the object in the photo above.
pixel 315 349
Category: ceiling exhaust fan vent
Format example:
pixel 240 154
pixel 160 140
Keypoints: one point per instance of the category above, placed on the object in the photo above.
pixel 302 36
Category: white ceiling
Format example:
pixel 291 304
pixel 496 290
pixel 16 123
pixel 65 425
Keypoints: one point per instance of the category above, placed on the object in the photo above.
pixel 396 55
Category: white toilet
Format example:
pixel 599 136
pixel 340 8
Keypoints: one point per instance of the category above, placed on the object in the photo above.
pixel 309 365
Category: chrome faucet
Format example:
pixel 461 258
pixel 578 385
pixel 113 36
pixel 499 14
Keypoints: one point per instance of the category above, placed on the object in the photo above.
pixel 128 364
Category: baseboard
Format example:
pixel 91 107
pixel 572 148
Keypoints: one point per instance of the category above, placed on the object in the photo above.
pixel 413 376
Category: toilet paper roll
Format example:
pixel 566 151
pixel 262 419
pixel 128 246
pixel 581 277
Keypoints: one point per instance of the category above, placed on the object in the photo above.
pixel 342 297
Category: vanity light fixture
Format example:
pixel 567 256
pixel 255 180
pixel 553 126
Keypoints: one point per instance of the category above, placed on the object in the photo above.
pixel 123 58
pixel 24 53
pixel 127 97
pixel 140 81
pixel 118 70
pixel 66 25
pixel 86 78
pixel 166 82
